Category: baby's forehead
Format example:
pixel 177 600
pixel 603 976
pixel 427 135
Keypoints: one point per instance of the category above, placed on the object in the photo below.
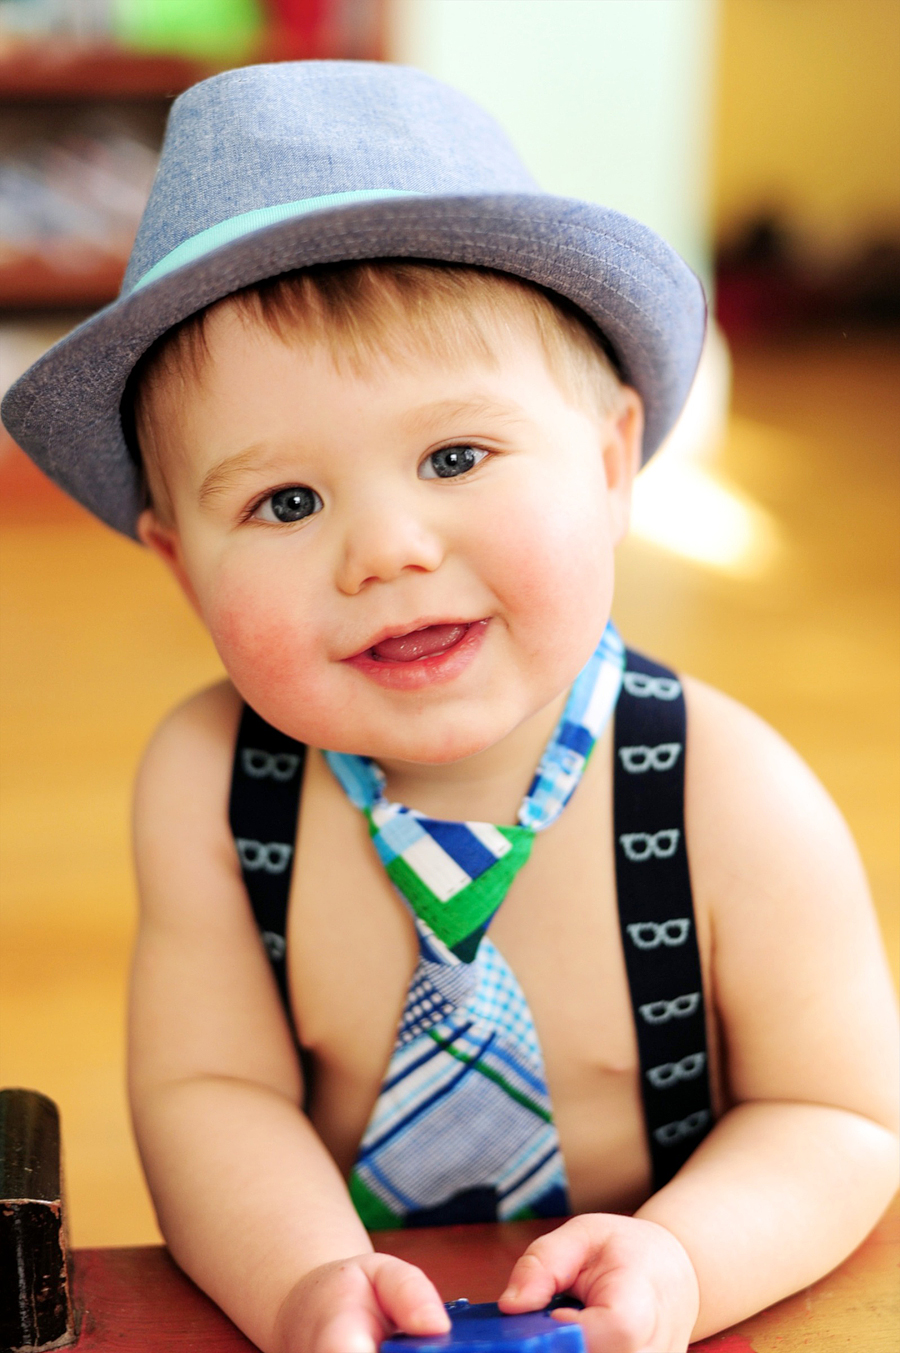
pixel 245 364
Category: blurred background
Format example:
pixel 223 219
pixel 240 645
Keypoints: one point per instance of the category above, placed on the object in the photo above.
pixel 761 137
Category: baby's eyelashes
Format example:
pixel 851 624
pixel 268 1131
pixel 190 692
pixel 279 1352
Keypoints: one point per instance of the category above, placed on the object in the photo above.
pixel 288 505
pixel 451 461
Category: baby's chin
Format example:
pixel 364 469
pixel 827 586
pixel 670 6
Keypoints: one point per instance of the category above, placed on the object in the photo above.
pixel 435 749
pixel 424 738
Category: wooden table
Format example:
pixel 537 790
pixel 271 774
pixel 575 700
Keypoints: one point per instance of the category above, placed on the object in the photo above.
pixel 137 1301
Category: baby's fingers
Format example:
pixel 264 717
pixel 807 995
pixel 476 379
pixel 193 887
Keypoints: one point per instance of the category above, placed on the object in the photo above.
pixel 549 1265
pixel 351 1332
pixel 407 1297
pixel 624 1321
pixel 350 1306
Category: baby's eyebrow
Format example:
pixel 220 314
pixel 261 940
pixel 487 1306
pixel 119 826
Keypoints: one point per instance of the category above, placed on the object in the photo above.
pixel 449 410
pixel 227 472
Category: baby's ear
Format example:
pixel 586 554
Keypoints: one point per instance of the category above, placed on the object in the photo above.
pixel 623 440
pixel 165 543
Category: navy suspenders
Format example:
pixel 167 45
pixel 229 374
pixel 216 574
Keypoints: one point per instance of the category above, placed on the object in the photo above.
pixel 656 913
pixel 653 882
pixel 263 808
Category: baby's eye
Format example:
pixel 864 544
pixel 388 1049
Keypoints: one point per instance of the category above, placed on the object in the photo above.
pixel 451 461
pixel 289 505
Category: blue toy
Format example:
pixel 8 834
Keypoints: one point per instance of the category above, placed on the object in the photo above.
pixel 484 1329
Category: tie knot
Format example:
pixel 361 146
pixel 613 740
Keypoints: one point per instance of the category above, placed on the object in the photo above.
pixel 454 875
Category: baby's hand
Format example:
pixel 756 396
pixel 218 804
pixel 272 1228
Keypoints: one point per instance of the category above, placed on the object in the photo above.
pixel 349 1306
pixel 637 1283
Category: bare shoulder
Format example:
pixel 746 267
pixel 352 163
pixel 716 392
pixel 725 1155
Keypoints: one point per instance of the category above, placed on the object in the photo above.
pixel 181 791
pixel 748 790
pixel 763 832
pixel 190 752
pixel 203 1001
pixel 801 983
pixel 199 733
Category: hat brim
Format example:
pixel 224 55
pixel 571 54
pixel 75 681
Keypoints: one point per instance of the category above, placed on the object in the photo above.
pixel 65 411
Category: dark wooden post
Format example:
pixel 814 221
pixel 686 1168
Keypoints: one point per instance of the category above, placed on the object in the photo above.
pixel 35 1307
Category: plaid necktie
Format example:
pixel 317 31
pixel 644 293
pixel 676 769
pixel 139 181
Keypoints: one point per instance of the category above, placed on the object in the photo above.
pixel 463 1129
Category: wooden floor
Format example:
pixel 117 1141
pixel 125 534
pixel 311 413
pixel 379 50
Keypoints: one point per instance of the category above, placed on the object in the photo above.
pixel 96 645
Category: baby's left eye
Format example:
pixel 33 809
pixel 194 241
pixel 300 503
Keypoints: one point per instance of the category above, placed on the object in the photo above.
pixel 289 505
pixel 450 462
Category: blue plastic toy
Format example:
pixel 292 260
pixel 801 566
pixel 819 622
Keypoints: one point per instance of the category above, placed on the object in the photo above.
pixel 484 1329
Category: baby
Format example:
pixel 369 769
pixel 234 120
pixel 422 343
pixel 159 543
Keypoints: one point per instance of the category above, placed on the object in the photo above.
pixel 419 938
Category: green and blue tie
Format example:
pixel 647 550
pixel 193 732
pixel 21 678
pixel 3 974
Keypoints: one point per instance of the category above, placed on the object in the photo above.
pixel 463 1129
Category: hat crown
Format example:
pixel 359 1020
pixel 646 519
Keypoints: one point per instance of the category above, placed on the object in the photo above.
pixel 267 135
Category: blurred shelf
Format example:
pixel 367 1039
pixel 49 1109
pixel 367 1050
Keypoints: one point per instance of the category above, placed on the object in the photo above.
pixel 46 71
pixel 56 72
pixel 30 282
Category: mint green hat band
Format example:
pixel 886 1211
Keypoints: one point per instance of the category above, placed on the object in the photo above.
pixel 244 224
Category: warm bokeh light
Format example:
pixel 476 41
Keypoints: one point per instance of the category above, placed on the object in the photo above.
pixel 682 501
pixel 692 512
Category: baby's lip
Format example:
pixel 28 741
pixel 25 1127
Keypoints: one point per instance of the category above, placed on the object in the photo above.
pixel 401 631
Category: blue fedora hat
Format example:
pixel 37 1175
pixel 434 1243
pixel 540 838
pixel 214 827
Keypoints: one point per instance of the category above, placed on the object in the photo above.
pixel 276 167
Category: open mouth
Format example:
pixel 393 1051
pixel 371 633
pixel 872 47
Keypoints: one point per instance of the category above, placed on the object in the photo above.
pixel 431 653
pixel 423 643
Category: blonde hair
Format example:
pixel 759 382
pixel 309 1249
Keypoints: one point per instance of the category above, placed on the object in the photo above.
pixel 365 313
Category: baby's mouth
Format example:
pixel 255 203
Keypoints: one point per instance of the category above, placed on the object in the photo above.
pixel 423 643
pixel 429 655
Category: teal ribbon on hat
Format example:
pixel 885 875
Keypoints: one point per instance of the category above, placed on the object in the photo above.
pixel 235 227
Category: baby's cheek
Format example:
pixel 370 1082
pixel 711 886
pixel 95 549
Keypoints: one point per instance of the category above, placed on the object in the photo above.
pixel 553 565
pixel 267 645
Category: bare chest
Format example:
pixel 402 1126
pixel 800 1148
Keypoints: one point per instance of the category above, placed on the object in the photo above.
pixel 352 950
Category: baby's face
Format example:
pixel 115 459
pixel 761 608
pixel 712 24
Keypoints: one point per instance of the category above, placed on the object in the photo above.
pixel 321 515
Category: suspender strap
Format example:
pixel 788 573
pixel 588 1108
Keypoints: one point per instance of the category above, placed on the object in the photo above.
pixel 265 800
pixel 656 913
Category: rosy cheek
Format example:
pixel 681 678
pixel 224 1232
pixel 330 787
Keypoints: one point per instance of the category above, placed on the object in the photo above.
pixel 267 642
pixel 553 564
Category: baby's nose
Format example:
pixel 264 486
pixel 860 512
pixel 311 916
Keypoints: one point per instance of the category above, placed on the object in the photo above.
pixel 383 541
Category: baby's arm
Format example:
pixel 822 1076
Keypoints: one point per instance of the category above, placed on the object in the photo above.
pixel 251 1204
pixel 796 1173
